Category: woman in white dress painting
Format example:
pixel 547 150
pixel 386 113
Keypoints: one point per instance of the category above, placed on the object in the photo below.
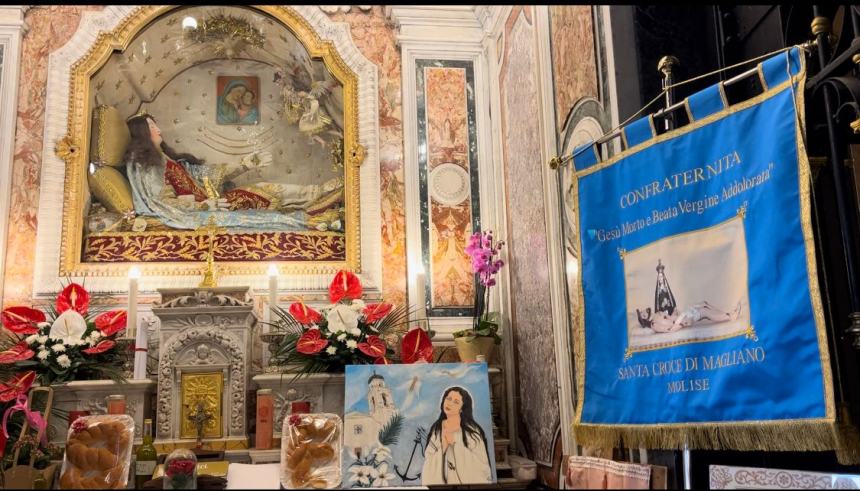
pixel 456 451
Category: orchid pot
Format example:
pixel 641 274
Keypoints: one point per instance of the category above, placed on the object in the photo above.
pixel 480 340
pixel 470 347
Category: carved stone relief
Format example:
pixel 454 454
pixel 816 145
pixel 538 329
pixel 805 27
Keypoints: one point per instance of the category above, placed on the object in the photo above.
pixel 216 340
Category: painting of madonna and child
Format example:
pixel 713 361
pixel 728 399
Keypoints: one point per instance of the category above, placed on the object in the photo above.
pixel 688 288
pixel 417 425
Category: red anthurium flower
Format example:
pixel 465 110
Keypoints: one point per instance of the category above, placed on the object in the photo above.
pixel 416 345
pixel 111 322
pixel 344 285
pixel 17 385
pixel 382 361
pixel 19 352
pixel 304 314
pixel 22 320
pixel 374 347
pixel 310 342
pixel 103 346
pixel 73 297
pixel 376 311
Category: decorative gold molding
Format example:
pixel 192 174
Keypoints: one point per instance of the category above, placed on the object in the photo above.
pixel 78 130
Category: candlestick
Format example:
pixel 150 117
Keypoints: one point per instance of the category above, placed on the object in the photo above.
pixel 269 315
pixel 131 324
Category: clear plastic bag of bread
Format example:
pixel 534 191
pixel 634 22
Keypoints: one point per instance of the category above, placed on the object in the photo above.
pixel 311 451
pixel 98 452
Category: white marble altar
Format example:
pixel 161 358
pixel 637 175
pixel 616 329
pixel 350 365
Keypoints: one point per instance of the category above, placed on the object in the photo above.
pixel 204 330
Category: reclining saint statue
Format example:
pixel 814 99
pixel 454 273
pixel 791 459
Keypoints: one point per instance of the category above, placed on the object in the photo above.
pixel 182 192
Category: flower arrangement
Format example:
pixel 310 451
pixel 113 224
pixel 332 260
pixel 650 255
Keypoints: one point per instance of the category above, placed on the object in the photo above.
pixel 69 343
pixel 485 253
pixel 347 332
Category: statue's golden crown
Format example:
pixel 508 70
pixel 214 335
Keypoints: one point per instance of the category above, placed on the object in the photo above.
pixel 142 112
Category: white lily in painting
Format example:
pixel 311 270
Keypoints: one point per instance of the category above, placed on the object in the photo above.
pixel 381 475
pixel 361 474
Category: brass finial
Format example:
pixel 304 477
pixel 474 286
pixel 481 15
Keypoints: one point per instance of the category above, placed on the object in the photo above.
pixel 667 64
pixel 209 275
pixel 820 25
pixel 855 126
pixel 856 59
pixel 554 162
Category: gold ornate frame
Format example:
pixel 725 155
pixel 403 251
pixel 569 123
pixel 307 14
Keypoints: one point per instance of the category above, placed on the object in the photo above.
pixel 72 149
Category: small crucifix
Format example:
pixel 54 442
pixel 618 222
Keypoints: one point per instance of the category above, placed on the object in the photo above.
pixel 210 230
pixel 200 417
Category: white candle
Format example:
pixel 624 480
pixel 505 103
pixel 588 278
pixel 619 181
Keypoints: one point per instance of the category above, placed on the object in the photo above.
pixel 141 345
pixel 421 313
pixel 269 314
pixel 131 326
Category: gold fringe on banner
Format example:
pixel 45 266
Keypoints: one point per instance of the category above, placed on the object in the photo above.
pixel 814 434
pixel 801 435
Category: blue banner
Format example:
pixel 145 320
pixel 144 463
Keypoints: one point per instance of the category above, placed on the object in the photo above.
pixel 702 320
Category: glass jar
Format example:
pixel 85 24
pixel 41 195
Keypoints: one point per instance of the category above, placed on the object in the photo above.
pixel 180 470
pixel 115 404
pixel 265 410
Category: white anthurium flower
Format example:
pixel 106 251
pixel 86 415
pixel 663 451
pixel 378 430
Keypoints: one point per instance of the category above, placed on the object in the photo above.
pixel 68 327
pixel 381 475
pixel 341 318
pixel 331 350
pixel 64 361
pixel 352 344
pixel 357 305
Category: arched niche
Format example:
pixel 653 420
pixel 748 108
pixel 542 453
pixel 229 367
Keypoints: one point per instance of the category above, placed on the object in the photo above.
pixel 142 59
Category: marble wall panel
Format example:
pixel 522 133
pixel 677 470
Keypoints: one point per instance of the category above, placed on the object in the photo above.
pixel 50 27
pixel 526 235
pixel 574 65
pixel 448 130
pixel 374 36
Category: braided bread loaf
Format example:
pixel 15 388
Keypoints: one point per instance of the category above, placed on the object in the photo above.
pixel 98 453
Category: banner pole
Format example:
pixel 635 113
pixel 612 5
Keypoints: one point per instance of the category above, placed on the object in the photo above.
pixel 685 458
pixel 666 66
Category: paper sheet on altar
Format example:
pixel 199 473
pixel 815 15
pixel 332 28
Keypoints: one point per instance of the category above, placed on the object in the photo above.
pixel 254 476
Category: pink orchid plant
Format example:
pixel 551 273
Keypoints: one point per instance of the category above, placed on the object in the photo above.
pixel 485 252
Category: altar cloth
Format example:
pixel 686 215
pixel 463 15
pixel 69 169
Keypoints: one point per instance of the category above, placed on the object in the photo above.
pixel 254 476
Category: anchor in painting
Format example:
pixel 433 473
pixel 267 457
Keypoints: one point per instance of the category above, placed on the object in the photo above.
pixel 420 436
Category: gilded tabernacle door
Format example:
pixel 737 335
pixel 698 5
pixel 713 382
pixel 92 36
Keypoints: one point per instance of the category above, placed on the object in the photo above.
pixel 240 118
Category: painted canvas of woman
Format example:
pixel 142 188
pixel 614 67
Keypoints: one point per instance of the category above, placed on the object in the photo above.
pixel 456 450
pixel 172 187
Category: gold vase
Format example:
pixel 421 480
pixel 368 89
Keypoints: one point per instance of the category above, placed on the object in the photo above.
pixel 469 347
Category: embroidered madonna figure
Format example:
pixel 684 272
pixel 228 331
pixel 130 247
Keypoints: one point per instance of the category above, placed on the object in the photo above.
pixel 182 191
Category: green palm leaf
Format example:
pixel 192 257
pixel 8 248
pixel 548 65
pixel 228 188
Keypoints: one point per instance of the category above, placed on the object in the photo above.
pixel 389 433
